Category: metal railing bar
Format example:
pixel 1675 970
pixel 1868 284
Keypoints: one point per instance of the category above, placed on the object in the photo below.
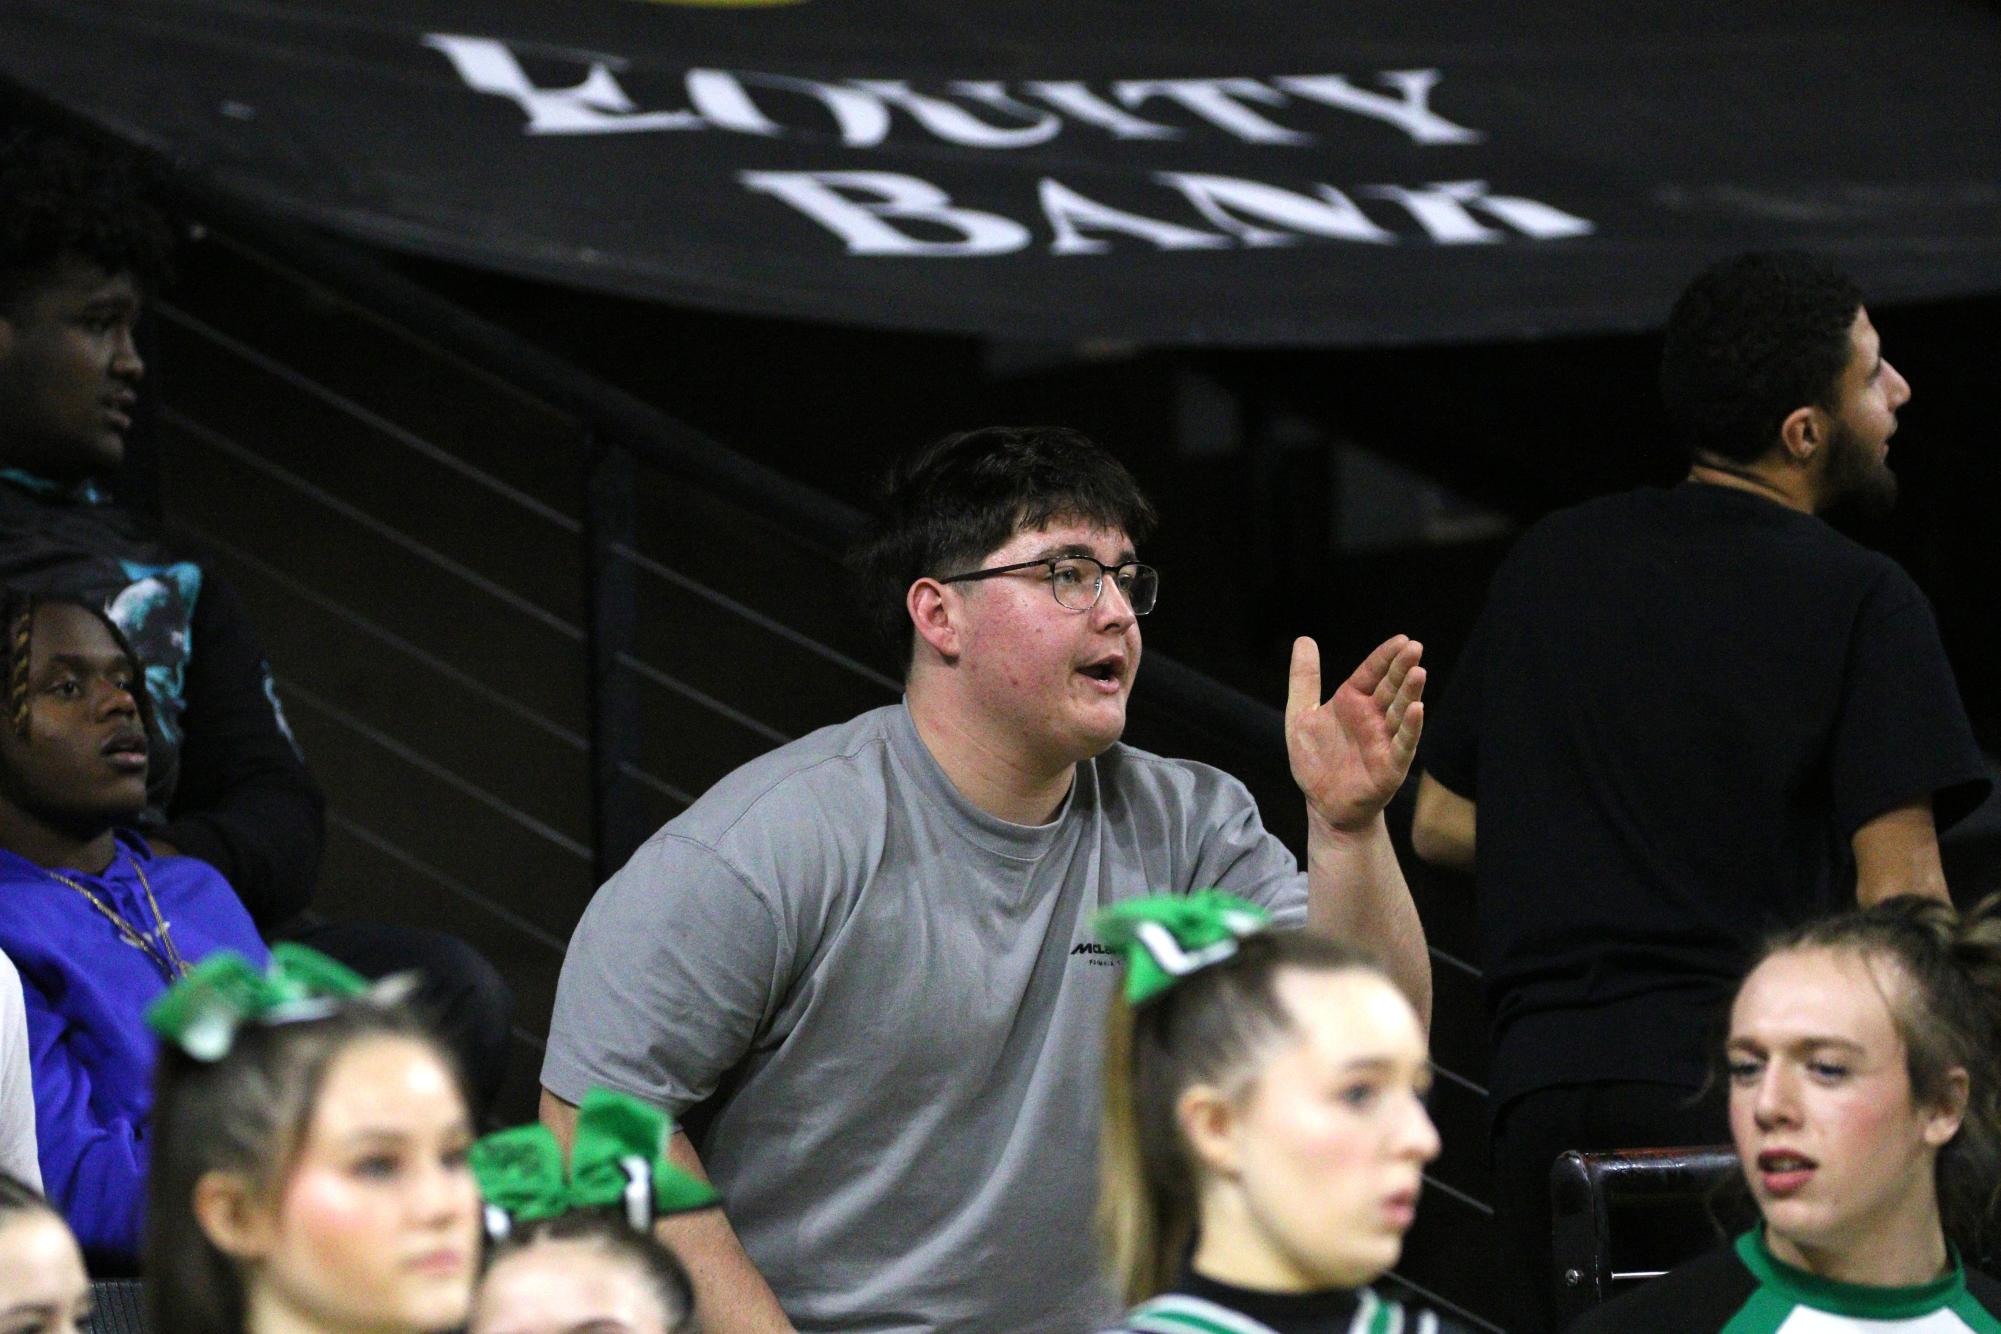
pixel 1454 1078
pixel 1471 970
pixel 648 672
pixel 388 848
pixel 403 435
pixel 757 618
pixel 307 593
pixel 351 275
pixel 660 785
pixel 1445 1304
pixel 1433 1183
pixel 313 699
pixel 354 514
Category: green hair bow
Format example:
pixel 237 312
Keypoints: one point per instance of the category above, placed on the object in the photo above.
pixel 618 1158
pixel 1169 936
pixel 202 1012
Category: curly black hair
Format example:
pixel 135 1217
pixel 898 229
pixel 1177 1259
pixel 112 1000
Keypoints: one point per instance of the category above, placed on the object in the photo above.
pixel 1753 339
pixel 63 196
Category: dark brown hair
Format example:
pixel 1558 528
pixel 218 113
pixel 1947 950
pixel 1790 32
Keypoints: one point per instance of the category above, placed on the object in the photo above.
pixel 954 501
pixel 607 1230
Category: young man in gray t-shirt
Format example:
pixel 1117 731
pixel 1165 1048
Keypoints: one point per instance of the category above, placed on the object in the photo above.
pixel 872 946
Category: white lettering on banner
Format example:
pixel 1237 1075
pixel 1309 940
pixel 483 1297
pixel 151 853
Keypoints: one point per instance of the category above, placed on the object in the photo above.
pixel 1223 200
pixel 1410 113
pixel 595 106
pixel 1442 210
pixel 955 125
pixel 1069 211
pixel 861 206
pixel 1075 99
pixel 1215 100
pixel 860 223
pixel 722 100
pixel 861 108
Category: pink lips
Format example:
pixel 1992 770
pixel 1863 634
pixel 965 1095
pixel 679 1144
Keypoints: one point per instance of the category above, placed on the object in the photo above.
pixel 444 1262
pixel 1782 1172
pixel 1400 1211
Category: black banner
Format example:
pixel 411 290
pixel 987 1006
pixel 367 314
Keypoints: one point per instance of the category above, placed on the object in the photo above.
pixel 1226 172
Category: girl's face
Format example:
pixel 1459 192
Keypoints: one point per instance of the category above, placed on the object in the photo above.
pixel 378 1225
pixel 43 1287
pixel 1838 1155
pixel 567 1287
pixel 1314 1169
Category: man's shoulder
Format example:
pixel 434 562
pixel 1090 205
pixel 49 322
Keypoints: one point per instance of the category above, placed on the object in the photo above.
pixel 835 768
pixel 68 548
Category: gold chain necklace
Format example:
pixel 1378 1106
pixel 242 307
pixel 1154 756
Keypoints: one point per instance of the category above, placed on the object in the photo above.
pixel 165 957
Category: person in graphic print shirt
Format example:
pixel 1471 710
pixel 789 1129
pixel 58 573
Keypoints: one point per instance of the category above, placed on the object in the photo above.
pixel 1264 1126
pixel 1865 1100
pixel 96 924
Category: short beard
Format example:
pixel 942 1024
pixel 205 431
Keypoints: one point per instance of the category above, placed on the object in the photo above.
pixel 1857 483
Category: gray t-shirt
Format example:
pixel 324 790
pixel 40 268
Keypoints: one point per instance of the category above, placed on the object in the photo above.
pixel 898 997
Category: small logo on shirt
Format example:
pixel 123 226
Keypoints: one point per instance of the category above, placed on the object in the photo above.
pixel 1099 956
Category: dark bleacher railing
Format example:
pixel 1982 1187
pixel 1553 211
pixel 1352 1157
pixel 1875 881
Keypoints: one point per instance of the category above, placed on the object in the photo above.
pixel 520 619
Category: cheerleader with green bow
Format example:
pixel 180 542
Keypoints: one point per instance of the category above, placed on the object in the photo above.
pixel 1264 1125
pixel 572 1248
pixel 310 1159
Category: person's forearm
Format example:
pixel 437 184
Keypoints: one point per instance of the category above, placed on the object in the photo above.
pixel 1897 853
pixel 731 1297
pixel 1355 890
pixel 1443 828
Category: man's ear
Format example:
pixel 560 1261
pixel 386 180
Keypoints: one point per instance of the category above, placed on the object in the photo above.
pixel 933 615
pixel 1208 1121
pixel 234 1216
pixel 1803 433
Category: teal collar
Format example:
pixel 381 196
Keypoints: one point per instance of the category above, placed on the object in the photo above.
pixel 86 492
pixel 1860 1300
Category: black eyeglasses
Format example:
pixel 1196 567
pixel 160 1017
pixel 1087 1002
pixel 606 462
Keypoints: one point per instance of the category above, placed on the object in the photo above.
pixel 1077 582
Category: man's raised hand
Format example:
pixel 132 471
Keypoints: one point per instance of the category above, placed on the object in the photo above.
pixel 1350 753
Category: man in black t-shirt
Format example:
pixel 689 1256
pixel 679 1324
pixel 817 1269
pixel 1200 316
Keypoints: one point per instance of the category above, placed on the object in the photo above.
pixel 1686 718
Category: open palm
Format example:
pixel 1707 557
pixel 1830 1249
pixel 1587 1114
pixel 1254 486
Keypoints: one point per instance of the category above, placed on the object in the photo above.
pixel 1351 751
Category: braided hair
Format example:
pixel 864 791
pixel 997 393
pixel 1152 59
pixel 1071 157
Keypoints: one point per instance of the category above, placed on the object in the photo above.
pixel 1949 1017
pixel 17 616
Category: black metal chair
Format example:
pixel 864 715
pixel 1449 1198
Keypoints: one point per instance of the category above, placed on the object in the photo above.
pixel 1669 1204
pixel 119 1306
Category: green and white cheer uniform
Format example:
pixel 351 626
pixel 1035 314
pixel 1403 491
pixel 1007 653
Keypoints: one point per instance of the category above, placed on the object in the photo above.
pixel 1203 1306
pixel 1744 1289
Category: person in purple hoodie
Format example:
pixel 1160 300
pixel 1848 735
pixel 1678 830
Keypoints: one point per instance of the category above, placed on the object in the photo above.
pixel 97 925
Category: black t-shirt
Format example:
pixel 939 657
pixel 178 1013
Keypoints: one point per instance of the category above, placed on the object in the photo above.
pixel 1676 709
pixel 1743 1289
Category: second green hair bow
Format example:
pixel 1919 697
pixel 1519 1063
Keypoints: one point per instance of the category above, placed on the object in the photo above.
pixel 201 1013
pixel 618 1158
pixel 1169 936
